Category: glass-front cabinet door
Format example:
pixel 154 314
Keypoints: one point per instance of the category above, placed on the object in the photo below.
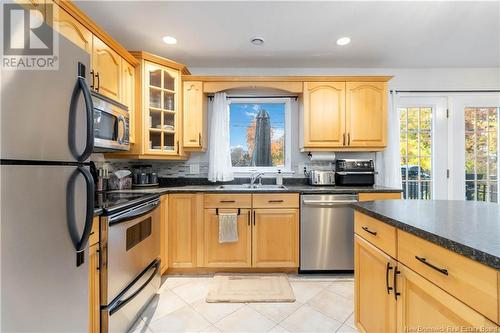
pixel 161 122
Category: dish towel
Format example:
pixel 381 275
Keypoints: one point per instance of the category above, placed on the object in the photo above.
pixel 228 227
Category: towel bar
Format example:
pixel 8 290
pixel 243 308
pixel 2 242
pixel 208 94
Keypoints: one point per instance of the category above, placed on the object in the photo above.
pixel 217 211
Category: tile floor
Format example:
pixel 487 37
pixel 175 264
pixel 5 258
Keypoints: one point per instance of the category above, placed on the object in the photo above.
pixel 324 304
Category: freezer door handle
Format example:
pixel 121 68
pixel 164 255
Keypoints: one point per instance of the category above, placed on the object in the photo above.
pixel 80 242
pixel 81 87
pixel 119 302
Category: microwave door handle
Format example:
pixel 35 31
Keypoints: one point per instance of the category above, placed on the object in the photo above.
pixel 122 302
pixel 81 87
pixel 80 242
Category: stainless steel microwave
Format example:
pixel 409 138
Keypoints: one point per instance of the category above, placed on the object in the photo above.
pixel 111 124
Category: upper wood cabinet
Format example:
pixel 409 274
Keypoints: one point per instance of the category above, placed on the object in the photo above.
pixel 195 116
pixel 344 116
pixel 375 304
pixel 185 221
pixel 106 65
pixel 275 238
pixel 73 30
pixel 235 254
pixel 366 114
pixel 423 304
pixel 324 114
pixel 128 94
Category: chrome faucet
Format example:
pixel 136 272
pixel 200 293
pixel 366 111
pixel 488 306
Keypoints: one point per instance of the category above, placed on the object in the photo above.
pixel 256 175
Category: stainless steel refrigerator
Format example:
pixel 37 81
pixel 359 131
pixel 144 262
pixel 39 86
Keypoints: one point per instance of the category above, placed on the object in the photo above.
pixel 47 195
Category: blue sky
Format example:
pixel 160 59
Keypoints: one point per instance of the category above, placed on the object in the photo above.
pixel 241 114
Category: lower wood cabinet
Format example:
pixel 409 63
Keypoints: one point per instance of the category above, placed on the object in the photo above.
pixel 164 233
pixel 236 254
pixel 372 196
pixel 185 223
pixel 422 304
pixel 375 304
pixel 275 238
pixel 94 300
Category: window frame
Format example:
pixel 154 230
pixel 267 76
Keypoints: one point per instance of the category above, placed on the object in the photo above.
pixel 287 167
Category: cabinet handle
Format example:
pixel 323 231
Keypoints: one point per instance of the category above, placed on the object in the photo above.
pixel 227 201
pixel 395 283
pixel 343 139
pixel 424 261
pixel 248 221
pixel 177 147
pixel 254 217
pixel 275 201
pixel 98 253
pixel 374 233
pixel 199 138
pixel 98 81
pixel 348 139
pixel 93 79
pixel 387 269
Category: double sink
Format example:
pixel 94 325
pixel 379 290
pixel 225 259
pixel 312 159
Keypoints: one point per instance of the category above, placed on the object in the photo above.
pixel 252 187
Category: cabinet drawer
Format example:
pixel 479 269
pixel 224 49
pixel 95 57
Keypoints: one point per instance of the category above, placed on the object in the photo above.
pixel 94 234
pixel 281 200
pixel 228 200
pixel 471 282
pixel 376 232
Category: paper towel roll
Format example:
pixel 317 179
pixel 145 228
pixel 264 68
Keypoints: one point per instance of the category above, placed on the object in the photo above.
pixel 322 156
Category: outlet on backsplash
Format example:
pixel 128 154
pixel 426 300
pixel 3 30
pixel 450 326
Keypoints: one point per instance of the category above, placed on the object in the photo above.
pixel 194 169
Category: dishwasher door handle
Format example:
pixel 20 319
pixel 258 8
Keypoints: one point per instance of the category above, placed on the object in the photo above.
pixel 327 203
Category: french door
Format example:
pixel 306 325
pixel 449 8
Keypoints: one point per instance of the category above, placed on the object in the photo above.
pixel 473 150
pixel 449 146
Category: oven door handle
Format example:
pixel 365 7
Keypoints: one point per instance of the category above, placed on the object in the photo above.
pixel 135 212
pixel 119 303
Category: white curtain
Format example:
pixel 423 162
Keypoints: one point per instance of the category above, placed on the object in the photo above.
pixel 219 163
pixel 387 162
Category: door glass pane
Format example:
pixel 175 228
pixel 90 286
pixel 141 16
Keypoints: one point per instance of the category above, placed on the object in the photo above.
pixel 481 147
pixel 416 152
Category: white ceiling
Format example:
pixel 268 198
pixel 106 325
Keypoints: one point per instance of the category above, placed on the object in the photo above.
pixel 303 34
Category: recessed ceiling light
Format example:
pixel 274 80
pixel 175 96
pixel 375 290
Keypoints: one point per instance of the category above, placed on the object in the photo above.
pixel 257 41
pixel 343 41
pixel 170 40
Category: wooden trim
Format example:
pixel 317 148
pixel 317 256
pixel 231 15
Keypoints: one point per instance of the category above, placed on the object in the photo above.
pixel 210 270
pixel 149 156
pixel 86 21
pixel 288 86
pixel 286 78
pixel 372 196
pixel 143 55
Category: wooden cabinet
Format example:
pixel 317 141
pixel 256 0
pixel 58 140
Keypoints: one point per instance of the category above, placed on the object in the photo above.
pixel 375 304
pixel 128 94
pixel 422 304
pixel 236 254
pixel 275 238
pixel 185 221
pixel 94 300
pixel 164 233
pixel 380 234
pixel 106 65
pixel 366 114
pixel 195 116
pixel 344 116
pixel 324 114
pixel 73 30
pixel 379 196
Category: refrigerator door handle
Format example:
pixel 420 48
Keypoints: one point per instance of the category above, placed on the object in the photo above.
pixel 80 242
pixel 81 86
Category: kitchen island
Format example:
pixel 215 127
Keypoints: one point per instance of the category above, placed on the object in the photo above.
pixel 428 266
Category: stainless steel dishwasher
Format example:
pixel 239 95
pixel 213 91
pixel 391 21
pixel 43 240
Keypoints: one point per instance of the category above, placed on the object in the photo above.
pixel 327 232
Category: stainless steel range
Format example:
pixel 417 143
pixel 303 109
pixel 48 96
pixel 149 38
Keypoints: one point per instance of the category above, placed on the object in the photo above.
pixel 130 261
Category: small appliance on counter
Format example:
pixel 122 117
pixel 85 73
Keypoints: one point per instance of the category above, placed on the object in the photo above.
pixel 143 176
pixel 354 172
pixel 321 177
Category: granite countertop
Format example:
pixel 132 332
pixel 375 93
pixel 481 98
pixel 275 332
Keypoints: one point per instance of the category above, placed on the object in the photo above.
pixel 469 228
pixel 304 189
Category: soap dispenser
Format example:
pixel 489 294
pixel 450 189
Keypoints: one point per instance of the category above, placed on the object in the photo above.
pixel 279 178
